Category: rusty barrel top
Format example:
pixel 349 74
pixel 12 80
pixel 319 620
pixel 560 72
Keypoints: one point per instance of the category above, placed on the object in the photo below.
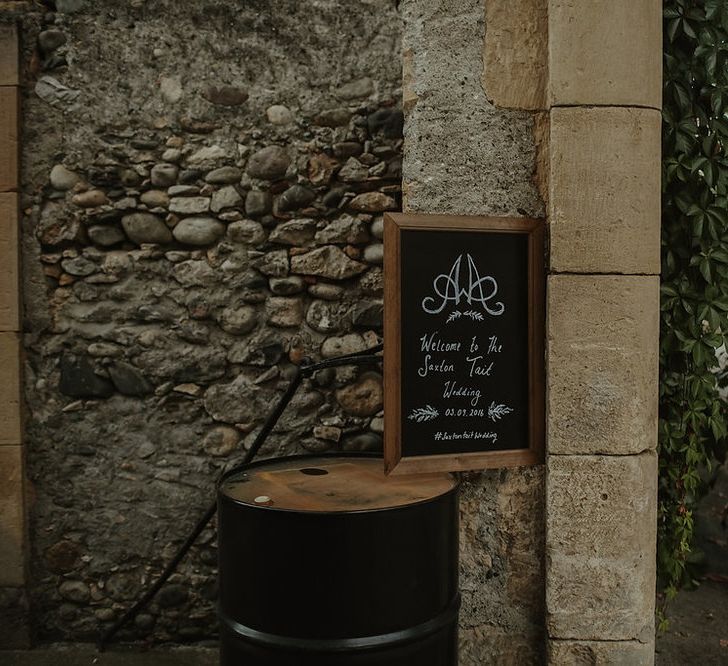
pixel 325 484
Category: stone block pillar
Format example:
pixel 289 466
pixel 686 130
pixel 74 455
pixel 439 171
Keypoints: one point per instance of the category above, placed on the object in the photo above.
pixel 13 601
pixel 602 330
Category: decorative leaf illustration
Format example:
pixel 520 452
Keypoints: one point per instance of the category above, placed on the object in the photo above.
pixel 423 414
pixel 497 412
pixel 475 316
pixel 453 316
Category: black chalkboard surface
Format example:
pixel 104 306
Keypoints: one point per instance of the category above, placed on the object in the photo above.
pixel 463 342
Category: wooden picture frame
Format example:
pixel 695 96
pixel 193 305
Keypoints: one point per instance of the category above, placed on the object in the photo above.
pixel 396 455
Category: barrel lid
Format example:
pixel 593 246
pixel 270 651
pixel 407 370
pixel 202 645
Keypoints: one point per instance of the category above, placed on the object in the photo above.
pixel 332 484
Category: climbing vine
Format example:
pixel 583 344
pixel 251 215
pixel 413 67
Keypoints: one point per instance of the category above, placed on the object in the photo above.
pixel 694 285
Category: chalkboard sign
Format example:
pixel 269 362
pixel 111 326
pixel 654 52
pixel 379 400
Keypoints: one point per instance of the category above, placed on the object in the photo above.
pixel 463 342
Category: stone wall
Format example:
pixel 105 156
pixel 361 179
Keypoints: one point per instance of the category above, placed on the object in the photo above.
pixel 202 192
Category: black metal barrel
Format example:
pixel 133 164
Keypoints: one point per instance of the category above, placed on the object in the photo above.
pixel 325 561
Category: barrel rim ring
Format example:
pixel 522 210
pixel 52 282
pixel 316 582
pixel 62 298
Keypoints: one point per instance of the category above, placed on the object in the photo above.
pixel 363 643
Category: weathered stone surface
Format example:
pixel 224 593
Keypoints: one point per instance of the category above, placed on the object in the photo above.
pixel 329 262
pixel 224 175
pixel 236 402
pixel 128 380
pixel 324 317
pixel 74 590
pixel 602 339
pixel 183 190
pixel 600 565
pixel 364 397
pixel 105 236
pixel 194 273
pixel 321 168
pixel 15 618
pixel 345 229
pixel 172 595
pixel 368 314
pixel 366 441
pixel 164 175
pixel 388 121
pixel 515 54
pixel 353 171
pixel 225 197
pixel 62 557
pixel 12 520
pixel 328 433
pixel 374 253
pixel 90 199
pixel 295 197
pixel 154 198
pixel 206 156
pixel 346 344
pixel 263 349
pixel 122 586
pixel 605 190
pixel 10 380
pixel 268 163
pixel 338 117
pixel 198 230
pixel 55 229
pixel 327 292
pixel 598 653
pixel 225 95
pixel 246 231
pixel 274 264
pixel 258 203
pixel 78 379
pixel 373 202
pixel 9 130
pixel 238 319
pixel 9 263
pixel 294 232
pixel 62 178
pixel 284 312
pixel 357 89
pixel 182 363
pixel 279 114
pixel 605 53
pixel 50 40
pixel 221 441
pixel 189 205
pixel 79 266
pixel 171 88
pixel 145 228
pixel 286 286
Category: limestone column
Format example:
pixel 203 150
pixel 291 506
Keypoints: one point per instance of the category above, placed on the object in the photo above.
pixel 602 330
pixel 13 602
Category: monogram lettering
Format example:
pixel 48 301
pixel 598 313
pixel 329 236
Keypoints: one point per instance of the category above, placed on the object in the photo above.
pixel 477 290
